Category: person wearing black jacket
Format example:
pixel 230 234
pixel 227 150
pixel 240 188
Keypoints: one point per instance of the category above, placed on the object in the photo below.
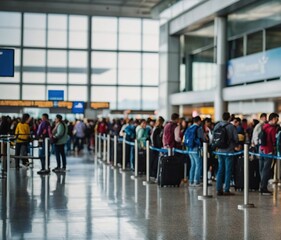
pixel 156 141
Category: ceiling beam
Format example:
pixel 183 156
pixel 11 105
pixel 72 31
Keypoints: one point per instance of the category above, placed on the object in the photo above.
pixel 83 8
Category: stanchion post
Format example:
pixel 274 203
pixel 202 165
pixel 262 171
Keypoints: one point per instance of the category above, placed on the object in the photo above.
pixel 136 160
pixel 46 154
pixel 115 151
pixel 2 157
pixel 108 149
pixel 96 145
pixel 104 147
pixel 8 179
pixel 147 164
pixel 169 151
pixel 124 152
pixel 246 180
pixel 205 172
pixel 99 154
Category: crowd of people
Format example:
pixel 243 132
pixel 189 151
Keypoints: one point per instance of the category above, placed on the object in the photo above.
pixel 178 132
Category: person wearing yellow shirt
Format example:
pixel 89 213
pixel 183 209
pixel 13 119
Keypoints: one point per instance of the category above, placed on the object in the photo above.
pixel 23 135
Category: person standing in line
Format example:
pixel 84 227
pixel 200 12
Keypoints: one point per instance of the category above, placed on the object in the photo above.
pixel 60 138
pixel 226 162
pixel 44 131
pixel 195 134
pixel 169 140
pixel 269 148
pixel 22 133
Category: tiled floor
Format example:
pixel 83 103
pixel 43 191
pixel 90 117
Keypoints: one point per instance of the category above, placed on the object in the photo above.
pixel 93 201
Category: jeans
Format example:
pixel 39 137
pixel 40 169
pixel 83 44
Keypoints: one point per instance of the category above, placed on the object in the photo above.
pixel 42 155
pixel 60 153
pixel 21 150
pixel 225 170
pixel 196 166
pixel 265 171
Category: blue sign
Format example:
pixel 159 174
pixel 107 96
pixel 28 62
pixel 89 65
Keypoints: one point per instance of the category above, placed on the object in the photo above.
pixel 7 62
pixel 78 107
pixel 255 67
pixel 55 95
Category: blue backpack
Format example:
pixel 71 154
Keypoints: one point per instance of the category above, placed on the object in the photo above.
pixel 190 137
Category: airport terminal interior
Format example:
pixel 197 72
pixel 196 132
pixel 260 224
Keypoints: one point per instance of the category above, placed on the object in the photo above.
pixel 103 62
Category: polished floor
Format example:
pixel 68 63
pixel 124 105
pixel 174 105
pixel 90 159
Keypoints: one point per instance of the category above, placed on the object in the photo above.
pixel 94 201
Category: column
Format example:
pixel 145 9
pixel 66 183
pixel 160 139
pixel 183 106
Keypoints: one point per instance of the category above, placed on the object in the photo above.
pixel 219 104
pixel 169 64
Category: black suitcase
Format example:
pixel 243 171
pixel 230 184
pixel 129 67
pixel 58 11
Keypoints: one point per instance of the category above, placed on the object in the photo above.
pixel 254 176
pixel 142 161
pixel 239 173
pixel 170 171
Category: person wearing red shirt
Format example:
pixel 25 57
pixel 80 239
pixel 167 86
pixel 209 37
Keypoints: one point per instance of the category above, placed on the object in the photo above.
pixel 270 129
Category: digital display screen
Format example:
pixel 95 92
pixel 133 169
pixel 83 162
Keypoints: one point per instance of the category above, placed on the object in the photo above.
pixel 7 62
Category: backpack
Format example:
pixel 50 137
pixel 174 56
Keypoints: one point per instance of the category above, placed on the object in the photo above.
pixel 220 137
pixel 190 137
pixel 262 137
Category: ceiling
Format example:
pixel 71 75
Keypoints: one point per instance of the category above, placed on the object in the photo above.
pixel 124 8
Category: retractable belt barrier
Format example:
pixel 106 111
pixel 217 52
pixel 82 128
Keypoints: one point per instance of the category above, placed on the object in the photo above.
pixel 203 150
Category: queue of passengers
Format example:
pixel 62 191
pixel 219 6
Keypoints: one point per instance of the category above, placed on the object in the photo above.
pixel 74 136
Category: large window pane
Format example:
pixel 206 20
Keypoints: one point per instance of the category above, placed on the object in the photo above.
pixel 9 91
pixel 104 94
pixel 34 57
pixel 10 28
pixel 104 33
pixel 33 92
pixel 57 30
pixel 129 34
pixel 77 59
pixel 129 98
pixel 56 78
pixel 150 98
pixel 254 42
pixel 150 72
pixel 236 48
pixel 129 69
pixel 34 30
pixel 77 78
pixel 57 58
pixel 34 77
pixel 104 66
pixel 78 35
pixel 273 37
pixel 203 70
pixel 150 35
pixel 77 93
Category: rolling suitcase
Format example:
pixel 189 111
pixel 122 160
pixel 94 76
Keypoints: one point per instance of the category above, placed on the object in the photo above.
pixel 254 176
pixel 170 171
pixel 142 161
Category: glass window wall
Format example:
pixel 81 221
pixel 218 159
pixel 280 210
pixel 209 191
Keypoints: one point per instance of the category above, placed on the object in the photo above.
pixel 123 58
